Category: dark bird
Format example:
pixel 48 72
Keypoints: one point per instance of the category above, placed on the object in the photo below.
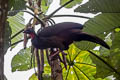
pixel 61 35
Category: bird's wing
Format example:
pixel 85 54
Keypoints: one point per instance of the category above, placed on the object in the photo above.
pixel 87 37
pixel 59 28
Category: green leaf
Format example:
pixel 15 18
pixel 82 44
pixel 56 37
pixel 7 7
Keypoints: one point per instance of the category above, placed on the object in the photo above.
pixel 45 77
pixel 46 74
pixel 17 4
pixel 21 61
pixel 95 6
pixel 117 30
pixel 85 45
pixel 45 5
pixel 115 52
pixel 70 5
pixel 103 51
pixel 102 70
pixel 102 23
pixel 100 26
pixel 16 24
pixel 33 77
pixel 80 66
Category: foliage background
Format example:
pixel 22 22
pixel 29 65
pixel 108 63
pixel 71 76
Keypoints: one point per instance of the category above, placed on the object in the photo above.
pixel 83 65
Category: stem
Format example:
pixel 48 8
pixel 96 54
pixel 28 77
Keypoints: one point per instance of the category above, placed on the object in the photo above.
pixel 35 17
pixel 64 60
pixel 67 73
pixel 3 17
pixel 104 62
pixel 52 21
pixel 76 74
pixel 28 25
pixel 71 16
pixel 38 64
pixel 17 34
pixel 49 16
pixel 30 14
pixel 18 42
pixel 42 61
pixel 56 70
pixel 47 54
pixel 39 3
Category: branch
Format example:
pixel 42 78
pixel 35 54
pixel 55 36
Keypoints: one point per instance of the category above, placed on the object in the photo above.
pixel 52 22
pixel 18 42
pixel 29 23
pixel 29 8
pixel 47 54
pixel 71 16
pixel 16 34
pixel 39 3
pixel 35 17
pixel 38 63
pixel 49 16
pixel 42 61
pixel 104 62
pixel 30 14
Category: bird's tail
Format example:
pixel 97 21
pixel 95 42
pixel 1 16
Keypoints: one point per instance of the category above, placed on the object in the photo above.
pixel 87 37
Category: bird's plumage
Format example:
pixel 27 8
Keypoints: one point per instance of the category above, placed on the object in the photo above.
pixel 59 28
pixel 61 35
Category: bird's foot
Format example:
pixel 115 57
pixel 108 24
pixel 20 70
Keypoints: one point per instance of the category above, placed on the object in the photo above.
pixel 54 54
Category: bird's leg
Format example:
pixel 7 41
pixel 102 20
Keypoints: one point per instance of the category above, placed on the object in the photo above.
pixel 63 53
pixel 53 54
pixel 64 59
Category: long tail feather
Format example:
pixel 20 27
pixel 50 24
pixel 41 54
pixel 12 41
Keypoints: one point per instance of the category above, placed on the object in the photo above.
pixel 87 37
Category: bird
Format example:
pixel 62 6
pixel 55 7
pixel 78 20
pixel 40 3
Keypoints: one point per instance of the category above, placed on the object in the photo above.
pixel 61 35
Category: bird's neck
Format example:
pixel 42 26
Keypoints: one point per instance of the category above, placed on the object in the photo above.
pixel 33 35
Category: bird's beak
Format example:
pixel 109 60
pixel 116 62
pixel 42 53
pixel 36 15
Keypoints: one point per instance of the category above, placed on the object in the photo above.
pixel 25 31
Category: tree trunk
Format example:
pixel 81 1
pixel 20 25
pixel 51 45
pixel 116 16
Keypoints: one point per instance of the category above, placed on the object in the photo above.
pixel 56 70
pixel 3 15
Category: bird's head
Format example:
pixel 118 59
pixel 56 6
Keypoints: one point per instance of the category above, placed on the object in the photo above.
pixel 30 31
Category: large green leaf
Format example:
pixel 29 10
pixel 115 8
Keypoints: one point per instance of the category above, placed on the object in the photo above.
pixel 100 26
pixel 102 70
pixel 112 57
pixel 21 61
pixel 85 45
pixel 97 26
pixel 80 66
pixel 95 6
pixel 70 5
pixel 16 24
pixel 17 4
pixel 107 22
pixel 102 23
pixel 115 52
